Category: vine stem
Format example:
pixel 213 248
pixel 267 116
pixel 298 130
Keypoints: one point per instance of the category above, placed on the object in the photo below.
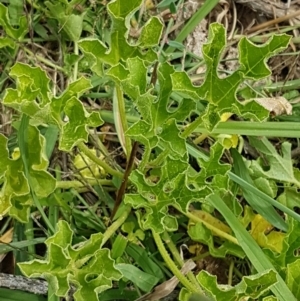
pixel 172 266
pixel 111 230
pixel 45 61
pixel 77 184
pixel 172 247
pixel 217 231
pixel 98 161
pixel 191 127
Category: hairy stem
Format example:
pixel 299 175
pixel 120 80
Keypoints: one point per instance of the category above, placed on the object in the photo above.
pixel 99 161
pixel 171 265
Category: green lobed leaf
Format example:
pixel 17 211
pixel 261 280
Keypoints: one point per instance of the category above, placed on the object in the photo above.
pixel 89 267
pixel 158 123
pixel 15 195
pixel 34 98
pixel 293 277
pixel 212 171
pixel 250 287
pixel 151 33
pixel 220 93
pixel 75 129
pixel 70 23
pixel 291 242
pixel 289 197
pixel 253 58
pixel 155 197
pixel 279 168
pixel 11 31
pixel 199 233
pixel 120 49
pixel 32 95
pixel 259 260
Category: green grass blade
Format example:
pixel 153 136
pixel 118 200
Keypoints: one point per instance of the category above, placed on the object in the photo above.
pixel 4 248
pixel 51 135
pixel 265 209
pixel 202 12
pixel 250 247
pixel 264 196
pixel 250 128
pixel 23 146
pixel 198 154
pixel 15 295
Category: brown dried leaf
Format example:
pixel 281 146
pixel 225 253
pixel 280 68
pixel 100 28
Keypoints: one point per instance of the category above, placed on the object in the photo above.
pixel 6 238
pixel 276 105
pixel 168 286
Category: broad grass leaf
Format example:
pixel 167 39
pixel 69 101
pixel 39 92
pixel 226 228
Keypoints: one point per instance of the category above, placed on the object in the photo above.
pixel 143 280
pixel 263 208
pixel 257 257
pixel 141 257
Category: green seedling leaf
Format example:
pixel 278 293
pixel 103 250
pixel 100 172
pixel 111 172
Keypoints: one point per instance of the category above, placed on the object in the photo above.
pixel 220 93
pixel 89 267
pixel 280 168
pixel 263 208
pixel 143 280
pixel 250 287
pixel 119 246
